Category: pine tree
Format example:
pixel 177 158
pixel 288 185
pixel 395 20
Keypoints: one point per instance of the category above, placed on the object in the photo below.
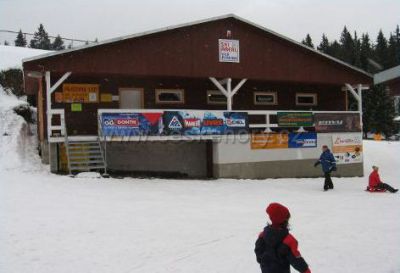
pixel 324 46
pixel 382 111
pixel 346 47
pixel 20 40
pixel 381 53
pixel 394 48
pixel 308 41
pixel 365 53
pixel 335 50
pixel 356 50
pixel 58 43
pixel 6 43
pixel 41 39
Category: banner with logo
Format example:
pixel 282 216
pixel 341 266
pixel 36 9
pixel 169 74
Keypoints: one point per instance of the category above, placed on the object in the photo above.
pixel 269 141
pixel 303 140
pixel 347 148
pixel 337 122
pixel 295 119
pixel 204 123
pixel 130 124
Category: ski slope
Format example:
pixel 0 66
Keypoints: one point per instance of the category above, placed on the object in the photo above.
pixel 52 223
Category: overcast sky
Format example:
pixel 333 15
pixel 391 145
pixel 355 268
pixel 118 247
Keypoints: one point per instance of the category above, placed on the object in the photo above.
pixel 88 19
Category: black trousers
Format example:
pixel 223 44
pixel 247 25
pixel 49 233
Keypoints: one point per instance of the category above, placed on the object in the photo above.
pixel 328 181
pixel 386 187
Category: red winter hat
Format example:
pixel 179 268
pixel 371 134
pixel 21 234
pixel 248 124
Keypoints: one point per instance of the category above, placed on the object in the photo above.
pixel 277 213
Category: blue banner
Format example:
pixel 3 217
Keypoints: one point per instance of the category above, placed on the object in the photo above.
pixel 130 124
pixel 204 123
pixel 303 140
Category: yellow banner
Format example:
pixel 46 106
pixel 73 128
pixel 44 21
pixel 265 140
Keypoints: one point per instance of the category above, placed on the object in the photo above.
pixel 269 141
pixel 84 93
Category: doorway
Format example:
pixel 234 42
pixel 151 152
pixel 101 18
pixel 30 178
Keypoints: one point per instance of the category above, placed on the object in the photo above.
pixel 130 98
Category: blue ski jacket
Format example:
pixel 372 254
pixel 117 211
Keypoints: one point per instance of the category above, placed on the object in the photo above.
pixel 327 161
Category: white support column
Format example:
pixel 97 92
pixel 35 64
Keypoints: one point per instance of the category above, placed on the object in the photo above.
pixel 228 92
pixel 49 90
pixel 357 94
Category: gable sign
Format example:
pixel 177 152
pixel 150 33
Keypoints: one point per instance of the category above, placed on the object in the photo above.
pixel 228 51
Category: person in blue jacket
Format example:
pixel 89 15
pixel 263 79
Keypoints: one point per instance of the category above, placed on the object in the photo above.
pixel 328 163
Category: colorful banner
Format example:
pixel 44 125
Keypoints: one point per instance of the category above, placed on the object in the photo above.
pixel 303 140
pixel 130 124
pixel 347 148
pixel 204 123
pixel 295 119
pixel 337 122
pixel 269 141
pixel 83 93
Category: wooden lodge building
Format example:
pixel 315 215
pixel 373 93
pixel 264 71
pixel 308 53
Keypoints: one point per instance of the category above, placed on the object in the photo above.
pixel 222 97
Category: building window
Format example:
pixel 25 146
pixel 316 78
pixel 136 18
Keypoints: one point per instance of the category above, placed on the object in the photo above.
pixel 215 97
pixel 306 99
pixel 265 98
pixel 170 96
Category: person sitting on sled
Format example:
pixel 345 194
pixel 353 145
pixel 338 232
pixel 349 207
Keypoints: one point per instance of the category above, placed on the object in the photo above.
pixel 375 183
pixel 276 249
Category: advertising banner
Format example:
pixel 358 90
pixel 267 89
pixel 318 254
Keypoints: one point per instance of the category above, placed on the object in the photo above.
pixel 337 122
pixel 228 51
pixel 269 141
pixel 303 140
pixel 130 124
pixel 347 148
pixel 295 119
pixel 204 123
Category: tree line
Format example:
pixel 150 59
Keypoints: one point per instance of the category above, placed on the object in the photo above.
pixel 371 56
pixel 41 40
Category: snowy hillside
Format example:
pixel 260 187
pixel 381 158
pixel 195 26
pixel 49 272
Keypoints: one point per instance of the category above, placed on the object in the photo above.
pixel 52 223
pixel 11 56
pixel 18 142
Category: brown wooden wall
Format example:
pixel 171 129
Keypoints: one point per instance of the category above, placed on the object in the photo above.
pixel 330 97
pixel 192 52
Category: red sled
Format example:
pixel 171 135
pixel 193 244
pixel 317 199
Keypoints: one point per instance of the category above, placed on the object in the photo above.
pixel 369 189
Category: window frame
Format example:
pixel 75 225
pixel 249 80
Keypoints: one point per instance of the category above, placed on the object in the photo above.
pixel 307 94
pixel 216 92
pixel 168 90
pixel 273 93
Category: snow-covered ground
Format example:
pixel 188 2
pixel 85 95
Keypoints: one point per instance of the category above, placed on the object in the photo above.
pixel 11 56
pixel 52 223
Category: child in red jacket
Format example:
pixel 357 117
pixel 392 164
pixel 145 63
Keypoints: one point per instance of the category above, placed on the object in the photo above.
pixel 276 249
pixel 375 183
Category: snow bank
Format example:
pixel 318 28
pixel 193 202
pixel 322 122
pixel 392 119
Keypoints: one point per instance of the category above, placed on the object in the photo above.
pixel 11 56
pixel 18 140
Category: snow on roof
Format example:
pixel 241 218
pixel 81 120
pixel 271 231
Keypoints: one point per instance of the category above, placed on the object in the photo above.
pixel 11 56
pixel 109 41
pixel 387 75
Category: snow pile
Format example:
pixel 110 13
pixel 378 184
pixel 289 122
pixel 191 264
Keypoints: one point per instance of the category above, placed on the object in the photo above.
pixel 18 142
pixel 11 56
pixel 53 223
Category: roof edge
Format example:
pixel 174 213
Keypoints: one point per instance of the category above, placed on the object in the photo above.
pixel 387 75
pixel 225 16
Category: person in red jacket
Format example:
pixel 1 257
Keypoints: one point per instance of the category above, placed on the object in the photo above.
pixel 276 249
pixel 376 184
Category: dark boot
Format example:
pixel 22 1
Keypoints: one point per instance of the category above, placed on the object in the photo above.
pixel 389 188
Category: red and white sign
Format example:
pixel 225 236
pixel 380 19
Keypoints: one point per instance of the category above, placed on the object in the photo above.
pixel 228 51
